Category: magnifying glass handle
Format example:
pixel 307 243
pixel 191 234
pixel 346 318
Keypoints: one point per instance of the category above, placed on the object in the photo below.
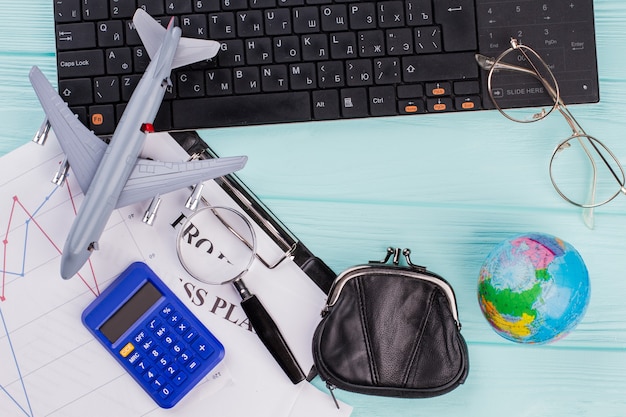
pixel 270 335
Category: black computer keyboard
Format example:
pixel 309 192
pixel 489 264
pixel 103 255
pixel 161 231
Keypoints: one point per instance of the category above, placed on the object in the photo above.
pixel 298 60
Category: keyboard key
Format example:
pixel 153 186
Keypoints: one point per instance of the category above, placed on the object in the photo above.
pixel 67 10
pixel 428 40
pixel 277 22
pixel 411 107
pixel 387 71
pixel 121 9
pixel 435 67
pixel 359 72
pixel 76 36
pixel 306 20
pixel 439 104
pixel 467 103
pixel 76 91
pixel 334 18
pixel 95 10
pixel 102 118
pixel 362 16
pixel 326 104
pixel 438 89
pixel 418 12
pixel 382 101
pixel 390 14
pixel 106 89
pixel 458 24
pixel 354 102
pixel 110 33
pixel 274 78
pixel 246 109
pixel 80 63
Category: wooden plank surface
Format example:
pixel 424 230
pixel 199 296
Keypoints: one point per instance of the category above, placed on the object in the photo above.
pixel 449 187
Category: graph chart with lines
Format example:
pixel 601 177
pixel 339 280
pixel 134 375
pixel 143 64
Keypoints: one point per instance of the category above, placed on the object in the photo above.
pixel 50 365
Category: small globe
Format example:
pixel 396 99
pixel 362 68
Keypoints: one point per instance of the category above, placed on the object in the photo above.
pixel 533 288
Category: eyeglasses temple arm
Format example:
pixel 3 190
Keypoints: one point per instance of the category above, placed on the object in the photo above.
pixel 490 64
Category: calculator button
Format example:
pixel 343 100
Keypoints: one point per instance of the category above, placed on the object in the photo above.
pixel 139 337
pixel 147 344
pixel 167 310
pixel 160 332
pixel 127 349
pixel 202 347
pixel 179 378
pixel 134 358
pixel 171 370
pixel 165 391
pixel 190 335
pixel 184 357
pixel 164 361
pixel 158 383
pixel 150 375
pixel 156 353
pixel 154 324
pixel 193 365
pixel 174 318
pixel 177 348
pixel 182 327
pixel 141 366
pixel 168 340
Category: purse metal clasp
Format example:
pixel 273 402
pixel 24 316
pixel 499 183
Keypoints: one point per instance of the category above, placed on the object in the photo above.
pixel 395 252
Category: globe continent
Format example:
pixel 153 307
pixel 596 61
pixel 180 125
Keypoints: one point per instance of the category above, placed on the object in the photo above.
pixel 533 288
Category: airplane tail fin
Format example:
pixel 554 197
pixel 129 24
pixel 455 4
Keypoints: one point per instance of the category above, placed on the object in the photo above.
pixel 189 50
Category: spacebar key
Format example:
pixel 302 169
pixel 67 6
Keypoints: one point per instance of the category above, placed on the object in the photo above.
pixel 241 110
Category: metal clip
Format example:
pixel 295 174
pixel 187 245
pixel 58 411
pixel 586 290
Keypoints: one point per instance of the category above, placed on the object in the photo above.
pixel 407 252
pixel 396 258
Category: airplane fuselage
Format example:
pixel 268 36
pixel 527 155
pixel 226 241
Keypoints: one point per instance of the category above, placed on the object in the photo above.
pixel 120 158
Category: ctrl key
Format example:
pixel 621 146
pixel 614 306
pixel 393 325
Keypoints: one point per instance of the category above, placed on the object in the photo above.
pixel 411 106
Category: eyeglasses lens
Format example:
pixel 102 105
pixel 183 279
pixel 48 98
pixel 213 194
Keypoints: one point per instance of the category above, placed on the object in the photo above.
pixel 522 85
pixel 572 172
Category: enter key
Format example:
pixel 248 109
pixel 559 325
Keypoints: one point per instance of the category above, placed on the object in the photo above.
pixel 458 24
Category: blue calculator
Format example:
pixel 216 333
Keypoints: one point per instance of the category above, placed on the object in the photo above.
pixel 153 335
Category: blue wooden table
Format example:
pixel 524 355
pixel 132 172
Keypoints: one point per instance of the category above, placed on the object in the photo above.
pixel 450 187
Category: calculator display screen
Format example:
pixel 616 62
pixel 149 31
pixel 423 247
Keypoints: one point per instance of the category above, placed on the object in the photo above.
pixel 130 312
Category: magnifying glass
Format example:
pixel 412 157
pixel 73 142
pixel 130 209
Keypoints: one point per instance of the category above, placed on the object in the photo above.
pixel 217 245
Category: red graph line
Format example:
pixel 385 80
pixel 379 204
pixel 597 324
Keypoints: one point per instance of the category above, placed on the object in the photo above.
pixel 95 290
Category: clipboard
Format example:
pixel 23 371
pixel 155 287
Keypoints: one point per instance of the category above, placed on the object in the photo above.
pixel 315 268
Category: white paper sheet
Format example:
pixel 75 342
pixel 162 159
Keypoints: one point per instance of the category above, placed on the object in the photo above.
pixel 51 366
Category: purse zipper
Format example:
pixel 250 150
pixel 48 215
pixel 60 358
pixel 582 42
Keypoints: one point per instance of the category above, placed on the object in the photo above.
pixel 331 388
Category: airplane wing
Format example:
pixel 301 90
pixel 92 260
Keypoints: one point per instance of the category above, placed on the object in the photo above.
pixel 150 178
pixel 82 147
pixel 189 51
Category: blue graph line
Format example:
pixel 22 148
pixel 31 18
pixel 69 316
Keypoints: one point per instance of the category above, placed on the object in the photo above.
pixel 27 223
pixel 29 412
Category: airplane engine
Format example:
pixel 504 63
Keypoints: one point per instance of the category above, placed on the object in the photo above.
pixel 150 215
pixel 194 198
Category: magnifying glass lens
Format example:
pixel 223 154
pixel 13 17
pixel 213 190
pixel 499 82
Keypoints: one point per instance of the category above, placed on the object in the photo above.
pixel 216 245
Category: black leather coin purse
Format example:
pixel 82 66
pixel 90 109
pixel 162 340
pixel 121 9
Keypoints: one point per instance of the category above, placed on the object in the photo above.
pixel 391 330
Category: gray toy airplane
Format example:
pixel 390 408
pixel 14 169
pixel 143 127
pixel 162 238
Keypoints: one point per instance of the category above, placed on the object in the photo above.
pixel 114 175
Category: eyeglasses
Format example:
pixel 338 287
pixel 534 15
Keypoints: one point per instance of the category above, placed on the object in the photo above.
pixel 583 171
